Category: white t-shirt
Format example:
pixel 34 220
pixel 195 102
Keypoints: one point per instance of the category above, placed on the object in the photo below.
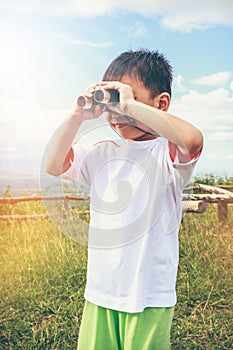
pixel 135 215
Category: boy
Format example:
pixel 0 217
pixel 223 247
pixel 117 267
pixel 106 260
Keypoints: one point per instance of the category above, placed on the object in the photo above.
pixel 135 190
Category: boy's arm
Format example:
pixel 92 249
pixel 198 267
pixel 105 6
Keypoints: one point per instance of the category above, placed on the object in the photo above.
pixel 187 138
pixel 59 151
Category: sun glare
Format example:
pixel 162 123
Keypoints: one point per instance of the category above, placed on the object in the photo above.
pixel 16 62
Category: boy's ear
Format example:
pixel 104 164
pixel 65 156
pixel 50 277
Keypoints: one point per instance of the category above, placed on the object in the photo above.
pixel 163 101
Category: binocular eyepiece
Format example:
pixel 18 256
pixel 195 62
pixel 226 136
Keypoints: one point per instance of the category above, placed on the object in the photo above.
pixel 99 96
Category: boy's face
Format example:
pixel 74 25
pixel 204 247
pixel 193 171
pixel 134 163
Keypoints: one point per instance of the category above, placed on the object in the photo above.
pixel 126 126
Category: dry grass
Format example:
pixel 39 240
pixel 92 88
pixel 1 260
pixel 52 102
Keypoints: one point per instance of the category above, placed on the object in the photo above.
pixel 42 279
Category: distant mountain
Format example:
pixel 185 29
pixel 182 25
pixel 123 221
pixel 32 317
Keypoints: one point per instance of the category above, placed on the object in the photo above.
pixel 19 184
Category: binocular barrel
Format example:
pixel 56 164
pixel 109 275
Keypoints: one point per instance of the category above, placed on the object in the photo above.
pixel 105 96
pixel 84 102
pixel 98 96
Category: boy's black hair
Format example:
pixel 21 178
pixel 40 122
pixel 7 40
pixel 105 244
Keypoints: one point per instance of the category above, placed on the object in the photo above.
pixel 150 67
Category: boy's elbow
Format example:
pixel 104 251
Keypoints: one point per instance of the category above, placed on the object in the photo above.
pixel 196 142
pixel 53 172
pixel 57 169
pixel 52 169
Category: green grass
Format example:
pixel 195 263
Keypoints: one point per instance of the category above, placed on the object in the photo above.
pixel 42 279
pixel 204 315
pixel 41 286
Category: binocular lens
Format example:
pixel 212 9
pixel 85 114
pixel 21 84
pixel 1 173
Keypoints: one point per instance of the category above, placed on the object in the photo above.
pixel 105 96
pixel 100 95
pixel 83 102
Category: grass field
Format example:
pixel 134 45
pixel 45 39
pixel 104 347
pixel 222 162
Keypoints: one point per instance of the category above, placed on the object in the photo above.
pixel 42 279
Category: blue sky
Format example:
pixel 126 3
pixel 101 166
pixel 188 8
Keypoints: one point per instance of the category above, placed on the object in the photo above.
pixel 50 52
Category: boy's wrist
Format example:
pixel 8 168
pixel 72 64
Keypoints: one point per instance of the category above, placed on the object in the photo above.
pixel 76 115
pixel 134 109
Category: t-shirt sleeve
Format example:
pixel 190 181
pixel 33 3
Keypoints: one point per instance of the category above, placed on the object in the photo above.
pixel 78 171
pixel 185 168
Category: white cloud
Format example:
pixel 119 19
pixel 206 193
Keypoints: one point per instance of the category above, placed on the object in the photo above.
pixel 87 8
pixel 137 29
pixel 212 111
pixel 229 156
pixel 88 43
pixel 221 136
pixel 179 15
pixel 21 6
pixel 178 85
pixel 217 79
pixel 185 16
pixel 211 156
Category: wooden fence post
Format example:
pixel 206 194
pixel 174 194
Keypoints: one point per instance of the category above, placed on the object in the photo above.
pixel 222 211
pixel 66 203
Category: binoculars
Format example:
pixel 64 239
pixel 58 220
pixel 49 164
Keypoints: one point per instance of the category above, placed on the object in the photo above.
pixel 99 96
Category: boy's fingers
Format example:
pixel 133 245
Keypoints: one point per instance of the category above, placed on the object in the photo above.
pixel 98 110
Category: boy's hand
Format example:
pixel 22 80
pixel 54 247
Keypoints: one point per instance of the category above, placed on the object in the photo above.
pixel 125 93
pixel 90 113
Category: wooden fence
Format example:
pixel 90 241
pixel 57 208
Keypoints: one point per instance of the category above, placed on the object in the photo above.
pixel 222 196
pixel 14 200
pixel 191 202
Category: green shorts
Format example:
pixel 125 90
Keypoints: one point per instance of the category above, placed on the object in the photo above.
pixel 105 329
